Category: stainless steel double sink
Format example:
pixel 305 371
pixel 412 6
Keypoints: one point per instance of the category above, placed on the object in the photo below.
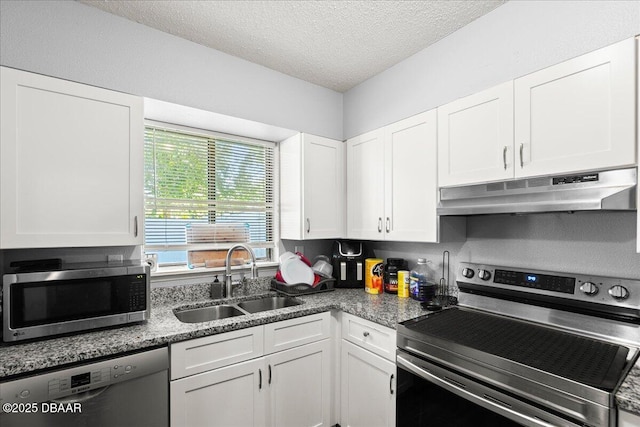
pixel 223 311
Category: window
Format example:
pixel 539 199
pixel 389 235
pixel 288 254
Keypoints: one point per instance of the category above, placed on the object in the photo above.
pixel 205 192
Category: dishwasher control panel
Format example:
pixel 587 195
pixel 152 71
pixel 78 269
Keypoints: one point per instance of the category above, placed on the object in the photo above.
pixel 84 378
pixel 80 382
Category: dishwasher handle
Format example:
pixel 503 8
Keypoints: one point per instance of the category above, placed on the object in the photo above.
pixel 81 397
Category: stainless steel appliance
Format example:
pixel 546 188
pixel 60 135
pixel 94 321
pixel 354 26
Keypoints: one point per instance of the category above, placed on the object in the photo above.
pixel 524 347
pixel 132 390
pixel 74 298
pixel 348 263
pixel 598 190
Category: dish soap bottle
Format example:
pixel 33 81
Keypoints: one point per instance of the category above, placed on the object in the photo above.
pixel 422 285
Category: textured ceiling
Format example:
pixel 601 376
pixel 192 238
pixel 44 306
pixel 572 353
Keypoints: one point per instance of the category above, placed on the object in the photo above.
pixel 335 44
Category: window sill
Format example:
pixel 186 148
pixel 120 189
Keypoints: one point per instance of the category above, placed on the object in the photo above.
pixel 183 272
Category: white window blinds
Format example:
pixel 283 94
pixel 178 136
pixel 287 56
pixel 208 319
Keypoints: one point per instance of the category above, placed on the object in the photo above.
pixel 205 192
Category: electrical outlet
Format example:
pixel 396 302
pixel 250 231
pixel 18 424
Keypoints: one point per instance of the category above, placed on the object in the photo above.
pixel 298 249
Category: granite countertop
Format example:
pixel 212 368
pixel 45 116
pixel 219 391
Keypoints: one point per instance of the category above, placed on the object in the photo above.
pixel 164 328
pixel 628 396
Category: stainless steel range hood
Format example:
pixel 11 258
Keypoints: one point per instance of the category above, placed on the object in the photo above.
pixel 602 190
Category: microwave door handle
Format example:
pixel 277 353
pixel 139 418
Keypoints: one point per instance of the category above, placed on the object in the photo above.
pixel 81 397
pixel 460 391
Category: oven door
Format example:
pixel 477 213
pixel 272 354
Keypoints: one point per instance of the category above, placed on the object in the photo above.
pixel 431 395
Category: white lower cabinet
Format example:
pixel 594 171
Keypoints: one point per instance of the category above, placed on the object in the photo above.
pixel 290 387
pixel 298 385
pixel 229 396
pixel 368 388
pixel 368 374
pixel 627 419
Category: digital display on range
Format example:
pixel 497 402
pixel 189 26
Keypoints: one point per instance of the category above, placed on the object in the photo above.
pixel 536 281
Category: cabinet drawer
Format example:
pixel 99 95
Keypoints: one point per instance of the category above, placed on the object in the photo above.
pixel 376 338
pixel 203 354
pixel 291 333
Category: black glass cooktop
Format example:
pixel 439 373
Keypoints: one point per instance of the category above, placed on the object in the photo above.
pixel 585 360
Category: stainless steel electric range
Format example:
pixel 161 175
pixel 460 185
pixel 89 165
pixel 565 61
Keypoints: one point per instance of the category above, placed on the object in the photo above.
pixel 522 347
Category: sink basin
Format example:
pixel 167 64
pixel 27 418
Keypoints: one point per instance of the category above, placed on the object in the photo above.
pixel 206 314
pixel 271 303
pixel 216 312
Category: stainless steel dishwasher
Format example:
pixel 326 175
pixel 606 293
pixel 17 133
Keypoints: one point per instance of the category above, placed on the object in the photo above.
pixel 131 390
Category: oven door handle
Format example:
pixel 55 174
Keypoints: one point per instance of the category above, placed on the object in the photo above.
pixel 482 401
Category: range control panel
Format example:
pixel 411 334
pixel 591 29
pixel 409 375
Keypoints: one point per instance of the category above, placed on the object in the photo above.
pixel 612 291
pixel 536 281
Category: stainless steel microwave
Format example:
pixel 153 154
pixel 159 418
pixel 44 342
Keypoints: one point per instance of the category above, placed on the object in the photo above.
pixel 74 298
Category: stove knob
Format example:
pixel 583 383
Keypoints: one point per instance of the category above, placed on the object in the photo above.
pixel 619 292
pixel 589 288
pixel 484 274
pixel 467 272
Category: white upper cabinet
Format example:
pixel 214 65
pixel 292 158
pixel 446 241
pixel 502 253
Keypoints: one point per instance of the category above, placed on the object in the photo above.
pixel 576 116
pixel 411 179
pixel 365 186
pixel 392 182
pixel 312 188
pixel 71 159
pixel 475 137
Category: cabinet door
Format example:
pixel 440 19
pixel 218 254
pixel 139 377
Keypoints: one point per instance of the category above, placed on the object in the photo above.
pixel 627 419
pixel 368 388
pixel 475 137
pixel 578 115
pixel 299 386
pixel 71 160
pixel 411 187
pixel 291 188
pixel 324 187
pixel 234 396
pixel 365 186
pixel 286 334
pixel 203 354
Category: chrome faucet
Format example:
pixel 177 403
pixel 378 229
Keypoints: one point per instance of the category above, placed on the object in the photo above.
pixel 228 281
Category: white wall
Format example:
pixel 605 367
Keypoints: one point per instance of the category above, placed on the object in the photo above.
pixel 513 40
pixel 73 41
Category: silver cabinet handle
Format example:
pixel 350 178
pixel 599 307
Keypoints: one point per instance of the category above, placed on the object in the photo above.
pixel 388 227
pixel 521 155
pixel 135 226
pixel 269 374
pixel 308 225
pixel 259 379
pixel 504 157
pixel 380 225
pixel 365 333
pixel 391 384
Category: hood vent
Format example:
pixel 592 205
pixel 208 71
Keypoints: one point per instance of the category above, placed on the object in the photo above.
pixel 603 190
